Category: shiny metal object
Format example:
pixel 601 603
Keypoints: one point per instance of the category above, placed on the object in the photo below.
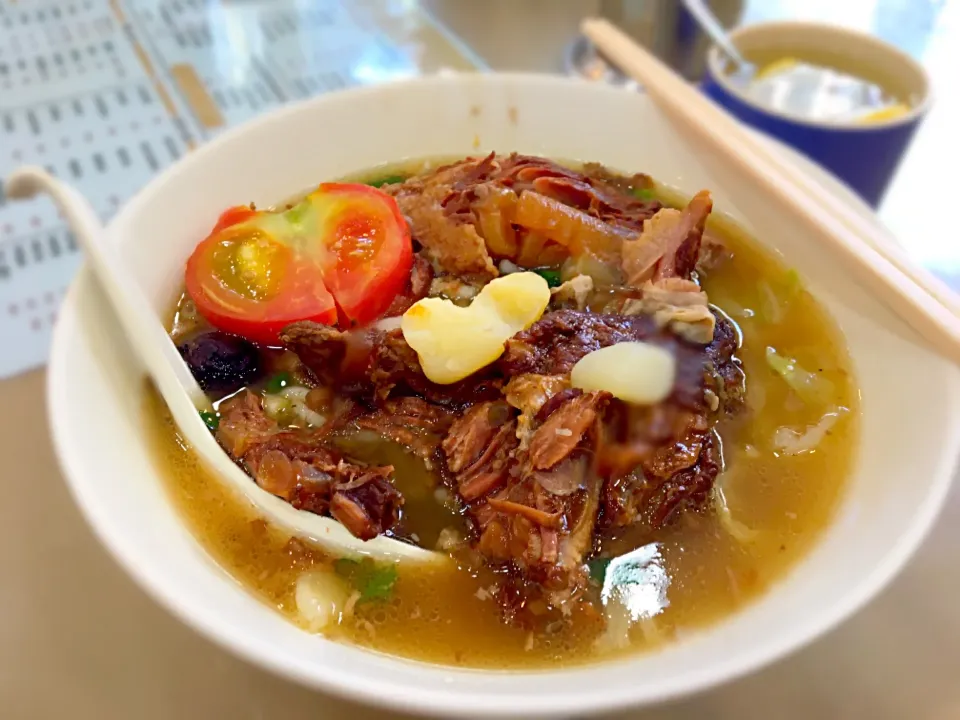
pixel 711 25
pixel 665 27
pixel 582 59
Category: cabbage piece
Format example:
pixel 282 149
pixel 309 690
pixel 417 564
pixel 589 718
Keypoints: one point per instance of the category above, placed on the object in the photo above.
pixel 604 274
pixel 791 442
pixel 737 530
pixel 810 387
pixel 792 282
pixel 321 598
pixel 289 407
pixel 769 306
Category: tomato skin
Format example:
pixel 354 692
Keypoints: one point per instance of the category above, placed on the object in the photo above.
pixel 342 254
pixel 232 216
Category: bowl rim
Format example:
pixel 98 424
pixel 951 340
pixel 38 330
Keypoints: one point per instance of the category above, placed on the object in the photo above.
pixel 439 700
pixel 714 71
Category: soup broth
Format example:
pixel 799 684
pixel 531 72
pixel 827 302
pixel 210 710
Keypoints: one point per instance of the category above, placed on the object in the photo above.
pixel 787 459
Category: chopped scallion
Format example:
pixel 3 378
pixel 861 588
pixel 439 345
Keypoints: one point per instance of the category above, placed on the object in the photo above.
pixel 210 419
pixel 598 568
pixel 388 180
pixel 551 276
pixel 277 383
pixel 792 282
pixel 375 582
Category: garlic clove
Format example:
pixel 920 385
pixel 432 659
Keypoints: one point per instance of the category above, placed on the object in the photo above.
pixel 453 342
pixel 635 372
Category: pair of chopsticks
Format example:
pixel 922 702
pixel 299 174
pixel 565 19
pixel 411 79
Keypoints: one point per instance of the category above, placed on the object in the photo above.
pixel 875 260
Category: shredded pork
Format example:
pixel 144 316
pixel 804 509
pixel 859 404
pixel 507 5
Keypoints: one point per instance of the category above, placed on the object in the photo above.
pixel 307 473
pixel 677 304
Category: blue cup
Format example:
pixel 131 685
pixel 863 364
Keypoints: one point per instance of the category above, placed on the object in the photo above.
pixel 864 156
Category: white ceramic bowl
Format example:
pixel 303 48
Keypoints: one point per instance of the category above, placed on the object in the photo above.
pixel 911 398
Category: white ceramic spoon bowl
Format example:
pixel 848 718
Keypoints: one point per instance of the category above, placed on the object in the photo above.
pixel 180 390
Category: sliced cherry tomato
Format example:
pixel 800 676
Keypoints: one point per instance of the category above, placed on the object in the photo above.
pixel 245 282
pixel 369 250
pixel 344 247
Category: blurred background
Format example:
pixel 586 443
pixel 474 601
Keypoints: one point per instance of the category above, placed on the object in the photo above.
pixel 107 93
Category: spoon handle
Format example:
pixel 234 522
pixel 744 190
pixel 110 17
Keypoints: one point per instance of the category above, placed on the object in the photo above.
pixel 140 323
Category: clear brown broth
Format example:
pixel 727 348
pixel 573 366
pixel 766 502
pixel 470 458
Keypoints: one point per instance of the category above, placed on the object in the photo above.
pixel 437 614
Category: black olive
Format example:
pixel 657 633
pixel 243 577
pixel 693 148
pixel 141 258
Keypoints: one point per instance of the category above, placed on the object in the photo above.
pixel 221 363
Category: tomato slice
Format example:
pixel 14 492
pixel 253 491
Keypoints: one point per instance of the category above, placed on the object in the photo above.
pixel 369 250
pixel 249 284
pixel 342 253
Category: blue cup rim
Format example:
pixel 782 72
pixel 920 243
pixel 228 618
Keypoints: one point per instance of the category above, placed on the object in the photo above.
pixel 716 58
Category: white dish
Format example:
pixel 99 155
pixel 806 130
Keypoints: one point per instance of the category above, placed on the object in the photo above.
pixel 910 397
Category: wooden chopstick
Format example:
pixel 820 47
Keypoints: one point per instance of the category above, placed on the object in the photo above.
pixel 920 299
